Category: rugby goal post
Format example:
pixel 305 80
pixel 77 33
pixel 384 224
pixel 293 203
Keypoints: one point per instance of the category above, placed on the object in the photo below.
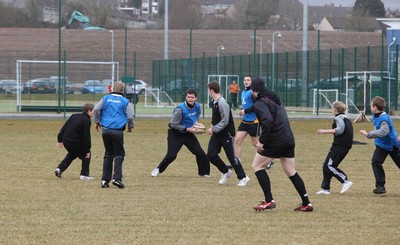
pixel 224 81
pixel 40 65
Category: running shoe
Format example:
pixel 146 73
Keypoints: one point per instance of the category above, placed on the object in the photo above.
pixel 265 205
pixel 307 208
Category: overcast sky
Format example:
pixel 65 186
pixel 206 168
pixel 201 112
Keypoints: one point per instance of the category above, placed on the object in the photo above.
pixel 393 4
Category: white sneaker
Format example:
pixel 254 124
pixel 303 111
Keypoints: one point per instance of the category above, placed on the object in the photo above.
pixel 224 177
pixel 346 185
pixel 243 182
pixel 323 192
pixel 155 172
pixel 83 177
pixel 269 165
pixel 205 176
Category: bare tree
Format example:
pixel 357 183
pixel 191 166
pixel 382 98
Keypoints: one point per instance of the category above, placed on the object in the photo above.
pixel 185 14
pixel 254 14
pixel 368 8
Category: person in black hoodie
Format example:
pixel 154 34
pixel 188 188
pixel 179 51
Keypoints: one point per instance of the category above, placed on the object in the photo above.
pixel 222 134
pixel 276 141
pixel 342 130
pixel 75 137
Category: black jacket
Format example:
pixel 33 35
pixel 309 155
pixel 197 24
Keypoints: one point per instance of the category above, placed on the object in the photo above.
pixel 275 126
pixel 77 130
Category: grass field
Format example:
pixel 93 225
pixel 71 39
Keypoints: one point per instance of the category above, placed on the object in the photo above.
pixel 177 207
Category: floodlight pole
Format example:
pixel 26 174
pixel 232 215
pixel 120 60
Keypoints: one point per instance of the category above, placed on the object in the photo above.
pixel 273 57
pixel 261 50
pixel 220 47
pixel 112 56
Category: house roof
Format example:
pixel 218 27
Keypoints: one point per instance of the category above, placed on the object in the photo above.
pixel 354 24
pixel 317 13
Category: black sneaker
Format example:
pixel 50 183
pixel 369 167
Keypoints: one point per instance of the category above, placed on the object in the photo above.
pixel 104 184
pixel 57 172
pixel 118 183
pixel 379 190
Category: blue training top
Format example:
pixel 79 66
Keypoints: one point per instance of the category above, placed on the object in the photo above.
pixel 390 140
pixel 247 102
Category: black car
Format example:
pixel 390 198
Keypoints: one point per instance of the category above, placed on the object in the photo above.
pixel 39 85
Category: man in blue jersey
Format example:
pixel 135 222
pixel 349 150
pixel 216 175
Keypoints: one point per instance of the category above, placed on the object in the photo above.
pixel 181 132
pixel 112 113
pixel 249 123
pixel 386 142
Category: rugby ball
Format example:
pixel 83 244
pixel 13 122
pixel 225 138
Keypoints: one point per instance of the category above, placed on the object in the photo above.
pixel 199 128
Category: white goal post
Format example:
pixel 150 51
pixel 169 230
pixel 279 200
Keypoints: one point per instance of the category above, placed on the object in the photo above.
pixel 324 97
pixel 19 66
pixel 366 77
pixel 154 97
pixel 224 81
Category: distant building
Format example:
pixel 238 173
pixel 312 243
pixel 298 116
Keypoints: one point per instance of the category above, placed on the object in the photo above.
pixel 356 24
pixel 317 13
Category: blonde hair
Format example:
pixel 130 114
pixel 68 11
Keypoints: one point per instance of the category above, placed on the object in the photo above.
pixel 118 87
pixel 339 106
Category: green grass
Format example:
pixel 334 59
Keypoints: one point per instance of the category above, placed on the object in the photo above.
pixel 177 207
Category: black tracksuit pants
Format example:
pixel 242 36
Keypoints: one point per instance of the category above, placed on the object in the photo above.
pixel 330 167
pixel 74 151
pixel 214 148
pixel 113 141
pixel 175 142
pixel 378 159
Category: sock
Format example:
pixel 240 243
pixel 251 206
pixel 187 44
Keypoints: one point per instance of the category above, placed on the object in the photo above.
pixel 265 184
pixel 301 188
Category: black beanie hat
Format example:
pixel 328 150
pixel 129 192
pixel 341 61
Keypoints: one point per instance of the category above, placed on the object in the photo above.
pixel 257 84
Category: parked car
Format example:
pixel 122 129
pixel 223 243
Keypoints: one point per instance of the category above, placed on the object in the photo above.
pixel 10 86
pixel 39 85
pixel 69 87
pixel 92 87
pixel 141 86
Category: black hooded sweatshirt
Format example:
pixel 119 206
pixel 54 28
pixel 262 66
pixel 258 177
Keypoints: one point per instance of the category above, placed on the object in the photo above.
pixel 275 126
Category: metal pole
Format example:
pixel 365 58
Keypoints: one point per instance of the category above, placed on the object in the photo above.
pixel 273 57
pixel 112 56
pixel 304 54
pixel 222 48
pixel 260 62
pixel 388 64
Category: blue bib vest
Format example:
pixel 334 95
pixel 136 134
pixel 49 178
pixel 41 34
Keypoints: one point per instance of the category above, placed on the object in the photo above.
pixel 189 115
pixel 113 113
pixel 390 140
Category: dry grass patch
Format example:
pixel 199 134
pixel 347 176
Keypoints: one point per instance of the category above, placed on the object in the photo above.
pixel 177 207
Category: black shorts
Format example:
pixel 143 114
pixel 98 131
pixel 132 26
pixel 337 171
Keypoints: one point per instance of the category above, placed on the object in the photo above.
pixel 277 152
pixel 251 128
